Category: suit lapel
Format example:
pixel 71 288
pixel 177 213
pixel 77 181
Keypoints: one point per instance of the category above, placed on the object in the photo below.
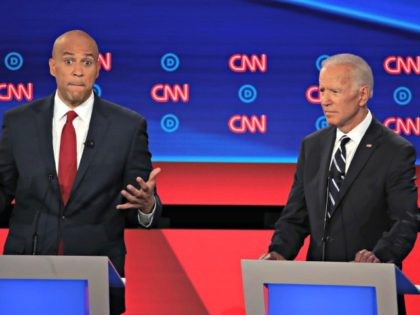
pixel 99 124
pixel 43 121
pixel 325 150
pixel 370 141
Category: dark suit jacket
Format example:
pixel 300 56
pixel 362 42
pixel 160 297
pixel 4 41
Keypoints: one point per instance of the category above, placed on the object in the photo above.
pixel 377 205
pixel 89 224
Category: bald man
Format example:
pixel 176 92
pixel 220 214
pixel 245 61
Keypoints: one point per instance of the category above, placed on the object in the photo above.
pixel 78 166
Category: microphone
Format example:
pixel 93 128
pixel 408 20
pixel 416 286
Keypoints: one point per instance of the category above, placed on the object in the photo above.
pixel 35 234
pixel 324 229
pixel 89 144
pixel 38 214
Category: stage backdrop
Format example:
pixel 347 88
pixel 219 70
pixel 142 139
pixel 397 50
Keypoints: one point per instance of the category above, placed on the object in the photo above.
pixel 229 87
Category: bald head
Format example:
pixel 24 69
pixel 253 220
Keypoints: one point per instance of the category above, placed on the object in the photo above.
pixel 77 36
pixel 75 66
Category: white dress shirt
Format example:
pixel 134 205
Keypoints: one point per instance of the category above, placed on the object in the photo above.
pixel 81 127
pixel 80 123
pixel 355 135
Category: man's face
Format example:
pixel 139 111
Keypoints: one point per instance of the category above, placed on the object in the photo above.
pixel 342 100
pixel 74 65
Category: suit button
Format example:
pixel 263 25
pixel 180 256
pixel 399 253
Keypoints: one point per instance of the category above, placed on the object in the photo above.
pixel 63 217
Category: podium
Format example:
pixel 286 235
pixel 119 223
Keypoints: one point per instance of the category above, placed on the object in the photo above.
pixel 56 284
pixel 300 287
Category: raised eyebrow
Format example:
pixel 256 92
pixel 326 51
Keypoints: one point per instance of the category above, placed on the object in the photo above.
pixel 69 54
pixel 66 54
pixel 90 56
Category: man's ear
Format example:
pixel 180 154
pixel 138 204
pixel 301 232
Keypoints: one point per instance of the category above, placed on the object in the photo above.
pixel 364 95
pixel 51 63
pixel 98 68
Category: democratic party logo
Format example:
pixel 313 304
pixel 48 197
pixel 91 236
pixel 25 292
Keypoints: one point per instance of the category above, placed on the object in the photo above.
pixel 13 61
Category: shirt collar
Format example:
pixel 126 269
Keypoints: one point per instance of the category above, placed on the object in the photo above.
pixel 357 133
pixel 83 111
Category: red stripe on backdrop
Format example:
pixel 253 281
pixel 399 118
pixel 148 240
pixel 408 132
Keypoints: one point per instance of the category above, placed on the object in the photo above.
pixel 171 272
pixel 208 259
pixel 227 183
pixel 224 183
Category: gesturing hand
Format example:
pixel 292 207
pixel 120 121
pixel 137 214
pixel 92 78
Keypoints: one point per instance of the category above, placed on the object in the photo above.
pixel 143 197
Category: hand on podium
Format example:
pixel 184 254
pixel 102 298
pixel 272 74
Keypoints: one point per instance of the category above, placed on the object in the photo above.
pixel 363 255
pixel 272 256
pixel 366 256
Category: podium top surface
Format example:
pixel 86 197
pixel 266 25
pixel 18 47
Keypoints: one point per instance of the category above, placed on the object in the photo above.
pixel 58 267
pixel 316 272
pixel 387 280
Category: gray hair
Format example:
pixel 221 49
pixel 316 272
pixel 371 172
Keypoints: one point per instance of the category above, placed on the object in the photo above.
pixel 361 70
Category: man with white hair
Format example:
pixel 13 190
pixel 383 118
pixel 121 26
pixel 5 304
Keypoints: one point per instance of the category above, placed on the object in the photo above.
pixel 354 188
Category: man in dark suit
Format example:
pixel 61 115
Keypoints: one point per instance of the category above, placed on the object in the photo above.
pixel 75 190
pixel 368 213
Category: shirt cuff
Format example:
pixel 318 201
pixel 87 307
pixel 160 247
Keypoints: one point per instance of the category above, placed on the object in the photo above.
pixel 145 219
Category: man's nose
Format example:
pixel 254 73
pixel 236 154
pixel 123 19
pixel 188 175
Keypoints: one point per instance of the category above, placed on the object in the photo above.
pixel 325 98
pixel 77 70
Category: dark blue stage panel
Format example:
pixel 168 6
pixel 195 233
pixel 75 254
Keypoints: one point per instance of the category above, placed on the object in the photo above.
pixel 300 299
pixel 43 297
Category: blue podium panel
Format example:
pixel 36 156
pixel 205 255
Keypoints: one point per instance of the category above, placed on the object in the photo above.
pixel 303 299
pixel 44 297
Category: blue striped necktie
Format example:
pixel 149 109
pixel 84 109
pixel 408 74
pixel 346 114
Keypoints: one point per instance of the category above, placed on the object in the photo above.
pixel 336 175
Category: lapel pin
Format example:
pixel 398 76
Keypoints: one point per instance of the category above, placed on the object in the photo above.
pixel 369 145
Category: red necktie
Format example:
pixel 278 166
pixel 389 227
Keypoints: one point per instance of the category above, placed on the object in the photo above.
pixel 67 162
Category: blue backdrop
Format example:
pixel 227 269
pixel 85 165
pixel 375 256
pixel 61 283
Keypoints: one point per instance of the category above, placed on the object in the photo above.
pixel 229 107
